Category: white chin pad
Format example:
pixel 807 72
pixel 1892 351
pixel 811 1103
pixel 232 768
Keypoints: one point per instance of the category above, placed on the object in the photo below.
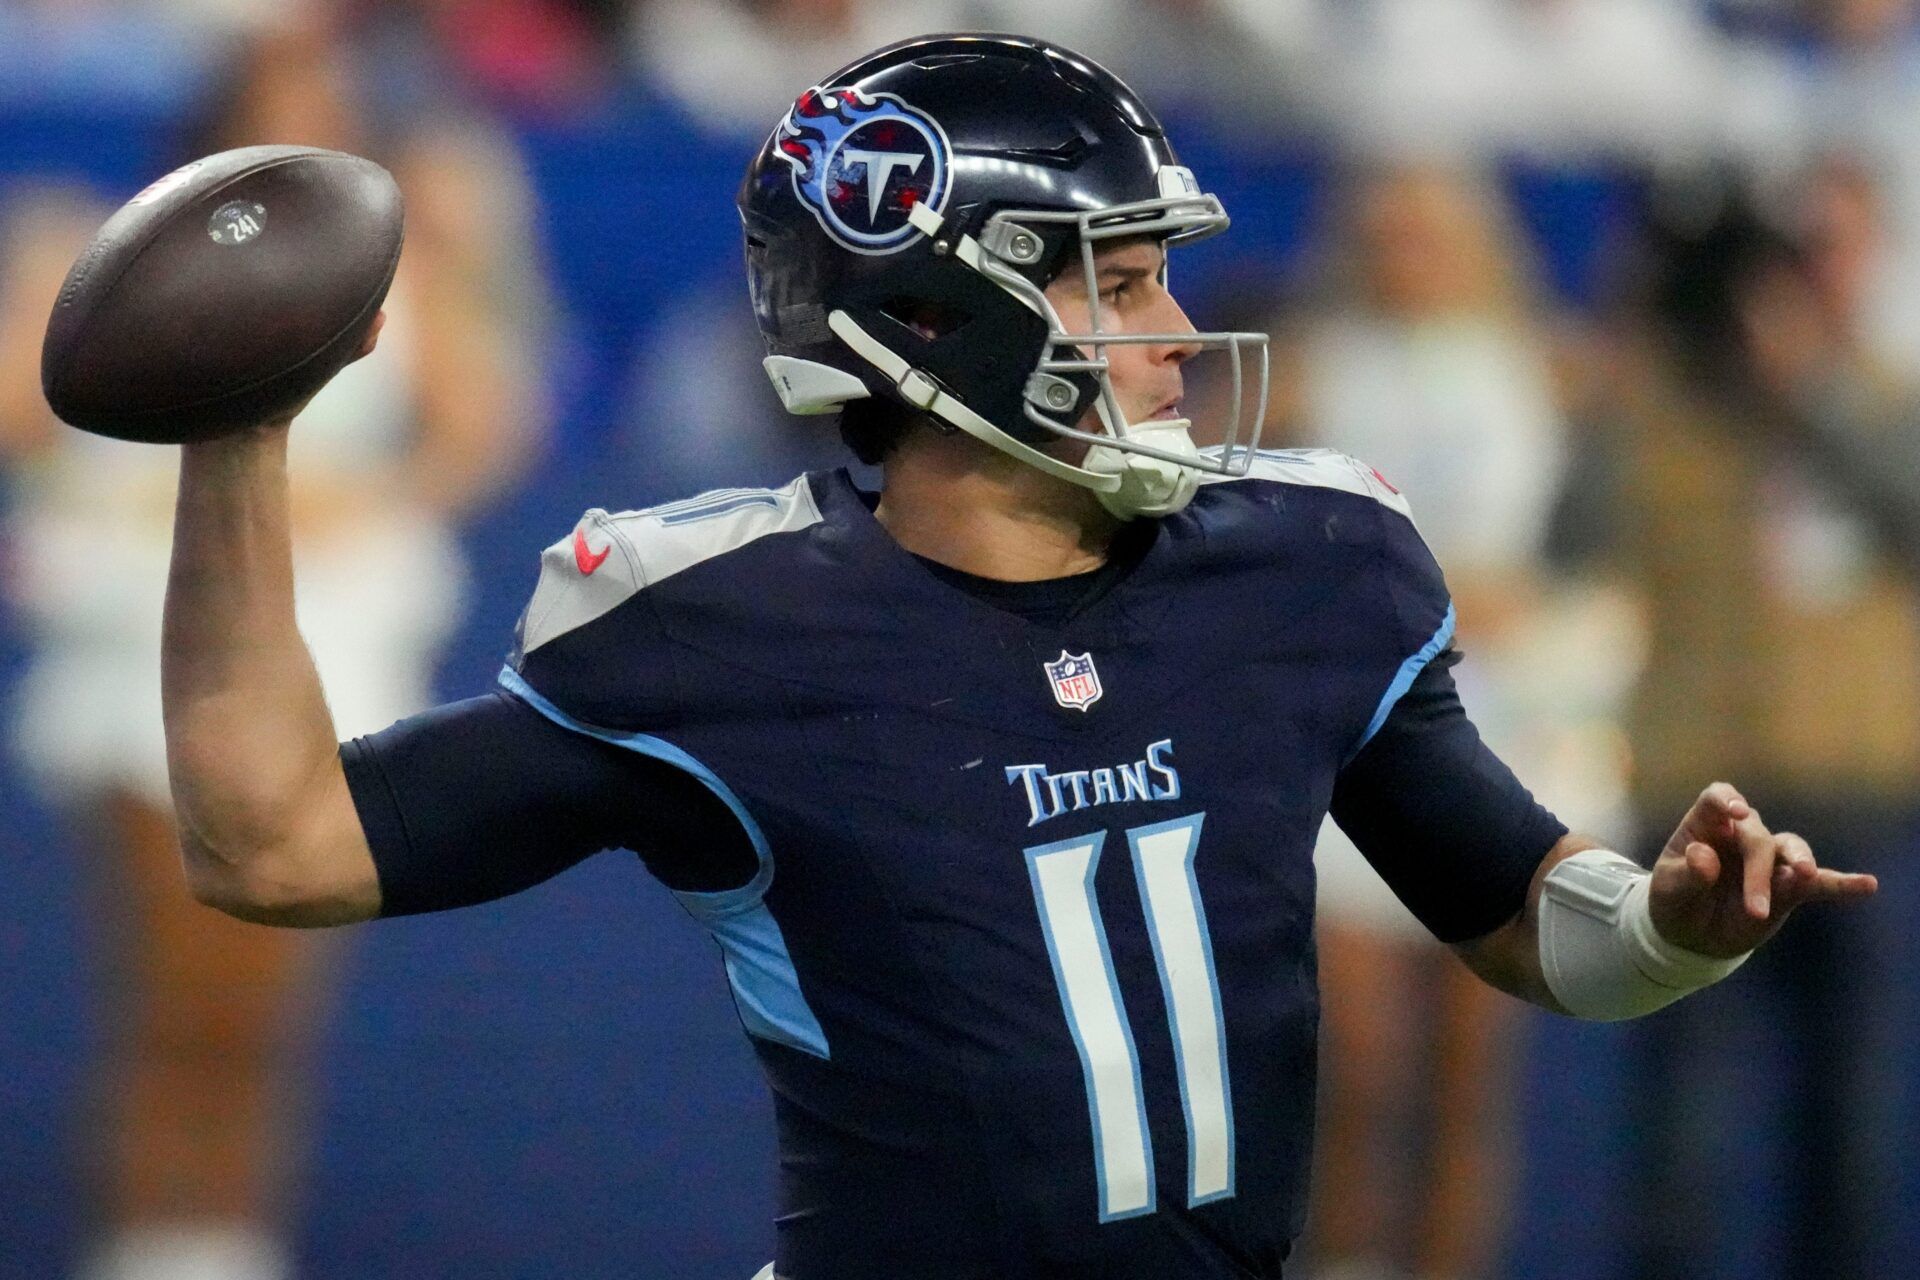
pixel 1148 486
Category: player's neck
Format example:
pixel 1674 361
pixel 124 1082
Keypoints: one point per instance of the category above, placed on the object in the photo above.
pixel 956 501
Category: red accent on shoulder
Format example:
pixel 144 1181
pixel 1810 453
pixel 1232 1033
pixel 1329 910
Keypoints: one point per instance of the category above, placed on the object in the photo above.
pixel 586 560
pixel 1382 479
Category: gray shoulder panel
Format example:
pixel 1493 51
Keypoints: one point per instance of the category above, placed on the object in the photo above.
pixel 1322 469
pixel 609 558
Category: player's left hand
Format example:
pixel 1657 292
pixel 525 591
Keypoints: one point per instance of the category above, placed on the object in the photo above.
pixel 1724 884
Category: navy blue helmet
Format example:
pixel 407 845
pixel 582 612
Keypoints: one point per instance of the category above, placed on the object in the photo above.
pixel 904 218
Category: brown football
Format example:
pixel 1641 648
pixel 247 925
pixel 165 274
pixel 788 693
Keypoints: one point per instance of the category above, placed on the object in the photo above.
pixel 223 295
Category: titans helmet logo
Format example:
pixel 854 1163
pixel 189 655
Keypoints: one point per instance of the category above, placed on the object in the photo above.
pixel 862 162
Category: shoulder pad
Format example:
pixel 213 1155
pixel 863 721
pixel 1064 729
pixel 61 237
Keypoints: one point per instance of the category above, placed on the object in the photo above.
pixel 1322 469
pixel 609 558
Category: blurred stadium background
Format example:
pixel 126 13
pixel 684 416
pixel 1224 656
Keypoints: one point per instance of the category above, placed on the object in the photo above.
pixel 1625 293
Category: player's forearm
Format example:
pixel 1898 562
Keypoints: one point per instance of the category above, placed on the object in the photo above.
pixel 250 742
pixel 1509 957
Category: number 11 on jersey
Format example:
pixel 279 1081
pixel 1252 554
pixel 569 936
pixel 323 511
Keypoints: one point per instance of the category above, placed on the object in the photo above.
pixel 1062 875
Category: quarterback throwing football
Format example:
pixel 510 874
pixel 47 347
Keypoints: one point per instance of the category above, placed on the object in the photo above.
pixel 997 788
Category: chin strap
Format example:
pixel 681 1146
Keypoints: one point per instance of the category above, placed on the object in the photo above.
pixel 1127 484
pixel 923 393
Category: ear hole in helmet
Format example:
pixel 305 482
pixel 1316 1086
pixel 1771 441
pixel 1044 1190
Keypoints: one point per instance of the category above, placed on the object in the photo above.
pixel 931 320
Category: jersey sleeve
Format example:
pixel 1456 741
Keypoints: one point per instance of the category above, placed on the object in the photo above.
pixel 590 646
pixel 479 799
pixel 483 798
pixel 1417 607
pixel 1397 615
pixel 1442 819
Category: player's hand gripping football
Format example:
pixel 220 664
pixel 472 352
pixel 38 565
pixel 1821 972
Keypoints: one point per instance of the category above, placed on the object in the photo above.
pixel 281 421
pixel 1724 884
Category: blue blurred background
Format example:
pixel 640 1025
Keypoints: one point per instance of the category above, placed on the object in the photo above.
pixel 556 1084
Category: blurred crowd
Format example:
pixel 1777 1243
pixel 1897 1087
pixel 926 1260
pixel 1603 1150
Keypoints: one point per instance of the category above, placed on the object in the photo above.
pixel 1625 295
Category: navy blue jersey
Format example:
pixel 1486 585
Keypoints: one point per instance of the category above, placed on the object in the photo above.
pixel 1028 951
pixel 1012 881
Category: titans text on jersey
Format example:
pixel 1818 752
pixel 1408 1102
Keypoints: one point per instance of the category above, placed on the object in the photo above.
pixel 1051 793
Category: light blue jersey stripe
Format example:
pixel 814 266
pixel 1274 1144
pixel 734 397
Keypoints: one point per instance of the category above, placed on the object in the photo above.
pixel 688 514
pixel 697 500
pixel 766 987
pixel 1403 679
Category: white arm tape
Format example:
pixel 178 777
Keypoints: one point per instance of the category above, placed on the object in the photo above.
pixel 1598 948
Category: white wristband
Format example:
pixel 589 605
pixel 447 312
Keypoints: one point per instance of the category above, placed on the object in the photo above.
pixel 1600 953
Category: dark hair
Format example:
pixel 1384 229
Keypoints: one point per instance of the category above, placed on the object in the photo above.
pixel 874 428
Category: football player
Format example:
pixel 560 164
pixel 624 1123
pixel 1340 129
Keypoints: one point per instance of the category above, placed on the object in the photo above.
pixel 997 788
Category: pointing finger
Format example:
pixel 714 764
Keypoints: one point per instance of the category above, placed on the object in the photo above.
pixel 1830 885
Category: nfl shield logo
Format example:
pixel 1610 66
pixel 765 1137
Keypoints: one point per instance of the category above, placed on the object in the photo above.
pixel 1076 685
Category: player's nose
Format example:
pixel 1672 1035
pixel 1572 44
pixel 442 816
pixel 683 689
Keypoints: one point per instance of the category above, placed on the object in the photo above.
pixel 1170 317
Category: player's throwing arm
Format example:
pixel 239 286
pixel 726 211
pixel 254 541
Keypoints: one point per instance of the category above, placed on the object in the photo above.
pixel 267 827
pixel 178 325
